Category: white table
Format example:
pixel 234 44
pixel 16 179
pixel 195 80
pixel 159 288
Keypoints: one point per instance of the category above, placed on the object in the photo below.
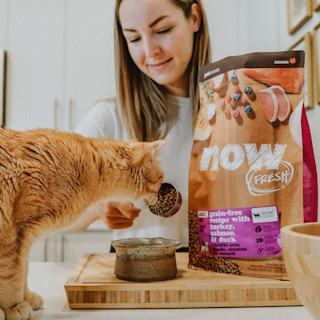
pixel 48 280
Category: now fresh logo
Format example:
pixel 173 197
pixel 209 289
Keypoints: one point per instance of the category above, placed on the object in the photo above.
pixel 260 180
pixel 262 183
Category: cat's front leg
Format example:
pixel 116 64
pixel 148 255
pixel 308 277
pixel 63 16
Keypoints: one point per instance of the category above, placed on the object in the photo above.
pixel 12 284
pixel 32 298
pixel 21 311
pixel 2 316
pixel 11 299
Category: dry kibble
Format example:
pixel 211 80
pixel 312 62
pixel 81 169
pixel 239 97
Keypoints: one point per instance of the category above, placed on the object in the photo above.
pixel 236 114
pixel 236 89
pixel 211 263
pixel 244 100
pixel 167 199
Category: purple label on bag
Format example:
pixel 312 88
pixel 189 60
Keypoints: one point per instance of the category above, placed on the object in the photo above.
pixel 241 232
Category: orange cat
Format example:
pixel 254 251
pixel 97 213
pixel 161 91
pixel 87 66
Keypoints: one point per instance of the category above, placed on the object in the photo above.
pixel 47 179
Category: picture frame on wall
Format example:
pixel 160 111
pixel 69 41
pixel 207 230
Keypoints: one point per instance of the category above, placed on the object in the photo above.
pixel 304 44
pixel 2 85
pixel 316 5
pixel 316 51
pixel 299 12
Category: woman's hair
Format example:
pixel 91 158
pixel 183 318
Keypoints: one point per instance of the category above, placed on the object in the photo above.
pixel 142 102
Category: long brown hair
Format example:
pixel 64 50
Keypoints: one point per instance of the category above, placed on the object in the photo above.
pixel 141 100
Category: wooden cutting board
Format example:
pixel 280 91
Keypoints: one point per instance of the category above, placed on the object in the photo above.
pixel 94 285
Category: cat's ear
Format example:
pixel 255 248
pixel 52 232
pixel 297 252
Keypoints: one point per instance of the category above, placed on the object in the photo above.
pixel 146 148
pixel 155 146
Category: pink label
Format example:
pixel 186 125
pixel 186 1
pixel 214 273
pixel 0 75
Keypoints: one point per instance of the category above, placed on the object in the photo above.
pixel 242 232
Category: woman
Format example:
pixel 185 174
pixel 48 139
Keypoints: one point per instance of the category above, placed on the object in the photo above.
pixel 159 47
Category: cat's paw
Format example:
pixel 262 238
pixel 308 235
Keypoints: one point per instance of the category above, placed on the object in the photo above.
pixel 34 300
pixel 2 316
pixel 21 311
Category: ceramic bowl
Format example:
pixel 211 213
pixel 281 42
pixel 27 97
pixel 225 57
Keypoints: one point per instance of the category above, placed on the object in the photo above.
pixel 301 253
pixel 145 259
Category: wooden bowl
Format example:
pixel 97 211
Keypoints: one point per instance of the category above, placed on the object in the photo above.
pixel 145 259
pixel 301 253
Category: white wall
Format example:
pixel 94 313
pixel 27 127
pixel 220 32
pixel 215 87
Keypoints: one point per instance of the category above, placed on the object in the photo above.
pixel 242 26
pixel 3 23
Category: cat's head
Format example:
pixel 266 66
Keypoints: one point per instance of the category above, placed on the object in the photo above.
pixel 144 173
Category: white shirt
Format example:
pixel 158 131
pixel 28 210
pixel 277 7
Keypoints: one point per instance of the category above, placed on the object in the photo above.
pixel 105 121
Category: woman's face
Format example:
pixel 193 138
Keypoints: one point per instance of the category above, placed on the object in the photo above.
pixel 160 40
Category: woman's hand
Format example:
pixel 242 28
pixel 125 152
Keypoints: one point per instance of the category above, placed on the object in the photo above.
pixel 119 215
pixel 115 214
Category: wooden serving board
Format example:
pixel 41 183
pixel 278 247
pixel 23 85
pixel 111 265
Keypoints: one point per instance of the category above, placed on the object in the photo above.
pixel 94 285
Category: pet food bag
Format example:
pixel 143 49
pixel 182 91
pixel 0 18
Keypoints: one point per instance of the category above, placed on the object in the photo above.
pixel 252 168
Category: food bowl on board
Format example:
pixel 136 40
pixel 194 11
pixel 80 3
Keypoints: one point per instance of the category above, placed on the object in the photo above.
pixel 301 253
pixel 145 259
